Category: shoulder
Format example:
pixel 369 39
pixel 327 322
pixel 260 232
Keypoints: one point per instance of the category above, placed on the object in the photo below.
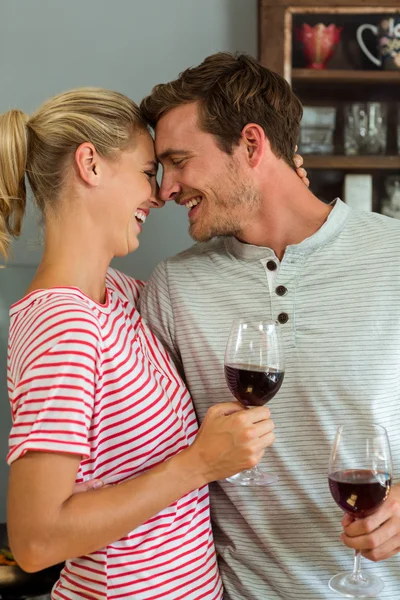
pixel 52 321
pixel 373 234
pixel 191 265
pixel 55 306
pixel 203 249
pixel 184 263
pixel 189 273
pixel 372 222
pixel 197 254
pixel 129 287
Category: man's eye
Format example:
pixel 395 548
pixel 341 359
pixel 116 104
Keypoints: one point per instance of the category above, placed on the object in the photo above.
pixel 177 161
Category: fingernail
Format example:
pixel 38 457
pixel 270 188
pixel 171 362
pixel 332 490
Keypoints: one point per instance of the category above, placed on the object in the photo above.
pixel 297 162
pixel 97 484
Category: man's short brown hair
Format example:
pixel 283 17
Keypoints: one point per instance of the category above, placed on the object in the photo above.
pixel 232 91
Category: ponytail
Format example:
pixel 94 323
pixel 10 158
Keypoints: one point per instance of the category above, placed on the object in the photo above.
pixel 44 147
pixel 13 160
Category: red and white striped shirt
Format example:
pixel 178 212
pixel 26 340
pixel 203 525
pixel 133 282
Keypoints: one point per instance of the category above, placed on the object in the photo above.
pixel 93 380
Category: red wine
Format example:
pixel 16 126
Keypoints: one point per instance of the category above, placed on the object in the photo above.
pixel 251 385
pixel 359 492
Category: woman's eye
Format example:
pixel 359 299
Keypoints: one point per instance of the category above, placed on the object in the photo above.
pixel 150 174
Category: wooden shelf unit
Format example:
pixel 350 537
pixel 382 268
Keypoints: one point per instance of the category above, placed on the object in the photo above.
pixel 350 163
pixel 346 75
pixel 347 78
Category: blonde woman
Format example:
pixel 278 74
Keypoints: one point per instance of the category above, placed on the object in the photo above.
pixel 93 393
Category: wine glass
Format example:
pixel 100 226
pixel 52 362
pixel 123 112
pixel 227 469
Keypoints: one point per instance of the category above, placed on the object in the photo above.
pixel 254 370
pixel 360 476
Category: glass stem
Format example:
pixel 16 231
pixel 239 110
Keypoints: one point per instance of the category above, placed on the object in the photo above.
pixel 253 472
pixel 356 574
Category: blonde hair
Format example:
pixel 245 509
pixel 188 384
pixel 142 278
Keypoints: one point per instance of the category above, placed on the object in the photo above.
pixel 42 146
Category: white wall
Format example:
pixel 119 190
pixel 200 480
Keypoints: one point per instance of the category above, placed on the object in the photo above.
pixel 47 46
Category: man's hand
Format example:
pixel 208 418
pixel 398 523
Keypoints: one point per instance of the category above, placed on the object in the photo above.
pixel 302 173
pixel 86 486
pixel 377 536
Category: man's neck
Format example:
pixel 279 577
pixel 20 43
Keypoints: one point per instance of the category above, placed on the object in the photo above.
pixel 289 214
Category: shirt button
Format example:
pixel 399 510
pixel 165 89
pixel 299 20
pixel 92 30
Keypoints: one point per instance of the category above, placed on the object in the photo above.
pixel 283 318
pixel 271 265
pixel 281 290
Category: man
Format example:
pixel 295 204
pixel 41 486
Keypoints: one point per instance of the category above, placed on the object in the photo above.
pixel 225 135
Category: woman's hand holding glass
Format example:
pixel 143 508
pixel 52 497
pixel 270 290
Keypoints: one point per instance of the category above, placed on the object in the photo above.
pixel 231 439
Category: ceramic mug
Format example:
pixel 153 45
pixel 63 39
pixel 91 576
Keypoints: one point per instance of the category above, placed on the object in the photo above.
pixel 388 42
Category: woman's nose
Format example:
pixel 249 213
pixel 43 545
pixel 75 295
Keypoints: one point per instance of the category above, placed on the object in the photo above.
pixel 155 199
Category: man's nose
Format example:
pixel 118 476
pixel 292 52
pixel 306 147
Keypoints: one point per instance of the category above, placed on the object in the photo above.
pixel 169 190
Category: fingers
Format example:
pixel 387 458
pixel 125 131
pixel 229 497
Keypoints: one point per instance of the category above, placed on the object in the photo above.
pixel 255 427
pixel 255 422
pixel 94 484
pixel 377 536
pixel 298 160
pixel 258 413
pixel 253 415
pixel 261 433
pixel 301 172
pixel 389 548
pixel 375 542
pixel 225 408
pixel 347 520
pixel 267 440
pixel 373 522
pixel 264 428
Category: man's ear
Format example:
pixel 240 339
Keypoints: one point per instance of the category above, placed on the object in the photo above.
pixel 255 142
pixel 87 163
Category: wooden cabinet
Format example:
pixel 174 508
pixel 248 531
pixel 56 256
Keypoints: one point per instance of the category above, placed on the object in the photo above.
pixel 349 77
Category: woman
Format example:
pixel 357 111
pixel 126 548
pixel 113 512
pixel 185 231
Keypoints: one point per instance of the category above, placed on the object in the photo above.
pixel 92 392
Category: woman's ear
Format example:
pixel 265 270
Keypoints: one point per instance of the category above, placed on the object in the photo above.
pixel 253 137
pixel 87 163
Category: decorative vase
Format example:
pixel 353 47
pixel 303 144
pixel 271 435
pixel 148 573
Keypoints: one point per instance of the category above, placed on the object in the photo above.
pixel 319 43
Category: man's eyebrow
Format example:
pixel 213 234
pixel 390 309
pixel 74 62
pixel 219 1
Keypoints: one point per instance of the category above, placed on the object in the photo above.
pixel 170 151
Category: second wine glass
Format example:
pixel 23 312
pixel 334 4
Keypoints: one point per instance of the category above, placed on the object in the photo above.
pixel 254 371
pixel 360 476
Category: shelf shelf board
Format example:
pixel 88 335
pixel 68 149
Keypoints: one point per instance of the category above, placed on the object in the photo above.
pixel 343 76
pixel 323 161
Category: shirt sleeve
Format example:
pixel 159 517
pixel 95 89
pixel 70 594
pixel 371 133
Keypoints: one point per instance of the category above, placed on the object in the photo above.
pixel 54 367
pixel 156 309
